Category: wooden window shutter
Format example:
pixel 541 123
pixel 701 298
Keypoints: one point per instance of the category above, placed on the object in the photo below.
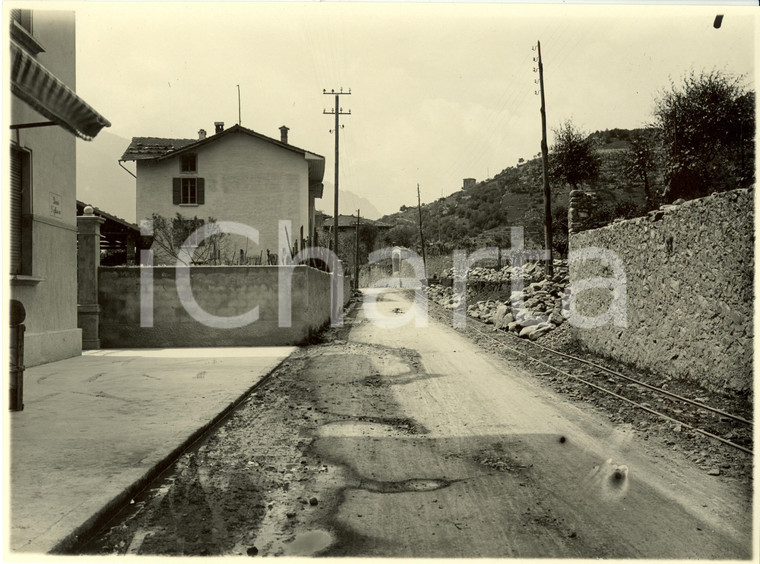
pixel 201 191
pixel 176 191
pixel 16 211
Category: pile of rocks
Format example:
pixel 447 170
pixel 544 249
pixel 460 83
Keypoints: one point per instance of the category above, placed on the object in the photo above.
pixel 442 295
pixel 529 272
pixel 529 313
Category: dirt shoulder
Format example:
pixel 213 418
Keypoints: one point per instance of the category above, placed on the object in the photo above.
pixel 707 454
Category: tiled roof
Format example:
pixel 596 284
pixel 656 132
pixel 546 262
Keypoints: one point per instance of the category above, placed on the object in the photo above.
pixel 97 211
pixel 157 147
pixel 144 148
pixel 152 147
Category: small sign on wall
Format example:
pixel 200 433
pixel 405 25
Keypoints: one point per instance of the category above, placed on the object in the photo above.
pixel 56 207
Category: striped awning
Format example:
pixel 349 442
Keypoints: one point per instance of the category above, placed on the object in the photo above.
pixel 39 88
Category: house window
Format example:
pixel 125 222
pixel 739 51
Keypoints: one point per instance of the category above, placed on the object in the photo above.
pixel 188 191
pixel 189 163
pixel 20 232
pixel 21 31
pixel 22 18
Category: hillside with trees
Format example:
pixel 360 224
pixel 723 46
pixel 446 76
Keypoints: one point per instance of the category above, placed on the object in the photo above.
pixel 701 141
pixel 484 214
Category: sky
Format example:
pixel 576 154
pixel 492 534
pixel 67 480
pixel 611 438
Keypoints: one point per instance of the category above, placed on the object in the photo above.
pixel 439 91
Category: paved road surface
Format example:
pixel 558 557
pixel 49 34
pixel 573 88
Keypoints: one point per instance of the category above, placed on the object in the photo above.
pixel 556 491
pixel 413 442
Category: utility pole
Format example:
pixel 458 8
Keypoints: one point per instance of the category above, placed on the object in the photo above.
pixel 356 254
pixel 422 238
pixel 337 111
pixel 239 109
pixel 545 161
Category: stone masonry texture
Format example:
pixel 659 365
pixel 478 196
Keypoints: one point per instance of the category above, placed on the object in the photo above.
pixel 581 208
pixel 689 288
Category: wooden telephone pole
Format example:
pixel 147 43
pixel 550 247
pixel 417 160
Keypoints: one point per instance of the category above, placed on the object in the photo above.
pixel 422 237
pixel 545 161
pixel 337 111
pixel 356 254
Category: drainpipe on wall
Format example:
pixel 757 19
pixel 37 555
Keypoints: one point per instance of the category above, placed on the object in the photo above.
pixel 125 168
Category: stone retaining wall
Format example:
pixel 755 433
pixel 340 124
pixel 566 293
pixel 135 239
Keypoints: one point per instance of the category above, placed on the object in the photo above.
pixel 222 291
pixel 689 289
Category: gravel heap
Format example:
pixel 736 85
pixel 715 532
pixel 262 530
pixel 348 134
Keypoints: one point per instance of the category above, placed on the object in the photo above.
pixel 535 311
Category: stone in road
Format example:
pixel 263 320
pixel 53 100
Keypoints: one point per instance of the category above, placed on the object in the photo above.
pixel 413 442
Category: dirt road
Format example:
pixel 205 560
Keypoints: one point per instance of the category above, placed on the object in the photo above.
pixel 414 442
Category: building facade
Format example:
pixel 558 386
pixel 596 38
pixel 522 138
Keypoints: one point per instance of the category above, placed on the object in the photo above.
pixel 235 175
pixel 45 116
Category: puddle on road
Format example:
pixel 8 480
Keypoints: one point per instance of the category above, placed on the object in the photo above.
pixel 412 485
pixel 308 543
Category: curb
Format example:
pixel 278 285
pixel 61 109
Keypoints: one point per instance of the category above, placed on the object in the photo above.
pixel 70 544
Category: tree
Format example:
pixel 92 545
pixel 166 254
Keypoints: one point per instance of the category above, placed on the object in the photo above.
pixel 170 234
pixel 534 228
pixel 573 159
pixel 368 235
pixel 608 211
pixel 401 235
pixel 707 128
pixel 639 161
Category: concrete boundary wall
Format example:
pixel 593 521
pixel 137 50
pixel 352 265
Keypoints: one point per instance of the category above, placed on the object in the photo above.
pixel 689 288
pixel 222 291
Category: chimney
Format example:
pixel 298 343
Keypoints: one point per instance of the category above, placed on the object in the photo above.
pixel 201 134
pixel 219 125
pixel 284 134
